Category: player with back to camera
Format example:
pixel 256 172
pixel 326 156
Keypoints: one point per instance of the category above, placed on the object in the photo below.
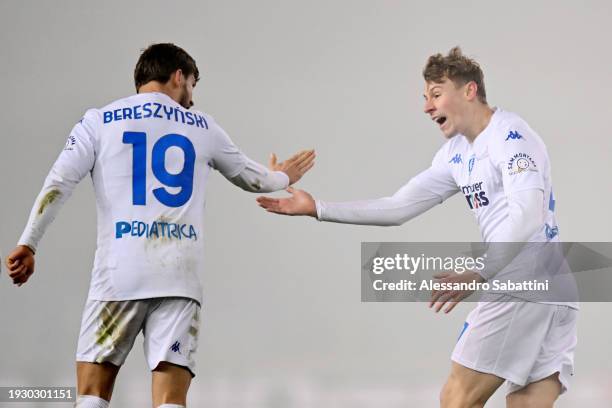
pixel 149 157
pixel 501 166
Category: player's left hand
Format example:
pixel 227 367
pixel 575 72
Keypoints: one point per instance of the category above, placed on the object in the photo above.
pixel 451 298
pixel 20 264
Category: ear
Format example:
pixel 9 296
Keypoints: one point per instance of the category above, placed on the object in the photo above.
pixel 471 90
pixel 177 78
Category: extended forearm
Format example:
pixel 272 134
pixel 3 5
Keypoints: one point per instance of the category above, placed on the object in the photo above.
pixel 56 190
pixel 256 178
pixel 410 201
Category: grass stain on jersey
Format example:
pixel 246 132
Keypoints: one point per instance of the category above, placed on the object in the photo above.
pixel 161 237
pixel 48 199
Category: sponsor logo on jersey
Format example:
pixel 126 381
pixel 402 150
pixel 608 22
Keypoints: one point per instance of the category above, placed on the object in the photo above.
pixel 471 163
pixel 456 159
pixel 551 232
pixel 514 135
pixel 475 195
pixel 70 143
pixel 155 230
pixel 520 163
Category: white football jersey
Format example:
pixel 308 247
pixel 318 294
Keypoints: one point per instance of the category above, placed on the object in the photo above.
pixel 505 158
pixel 149 159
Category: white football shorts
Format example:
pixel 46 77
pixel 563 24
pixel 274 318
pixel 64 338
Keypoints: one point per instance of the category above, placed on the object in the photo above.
pixel 169 325
pixel 520 341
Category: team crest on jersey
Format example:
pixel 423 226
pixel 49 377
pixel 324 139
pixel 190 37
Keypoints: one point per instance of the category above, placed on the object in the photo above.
pixel 514 135
pixel 70 143
pixel 471 163
pixel 521 162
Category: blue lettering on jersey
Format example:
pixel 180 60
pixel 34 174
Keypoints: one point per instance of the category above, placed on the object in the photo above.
pixel 155 230
pixel 147 109
pixel 168 111
pixel 456 159
pixel 190 120
pixel 155 110
pixel 514 135
pixel 137 114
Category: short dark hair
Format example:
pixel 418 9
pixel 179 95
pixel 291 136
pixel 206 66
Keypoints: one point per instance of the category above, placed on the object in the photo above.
pixel 456 67
pixel 159 61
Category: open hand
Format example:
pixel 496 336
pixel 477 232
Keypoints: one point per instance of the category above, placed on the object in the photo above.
pixel 295 166
pixel 300 203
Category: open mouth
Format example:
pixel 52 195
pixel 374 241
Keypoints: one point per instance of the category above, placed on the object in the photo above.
pixel 440 120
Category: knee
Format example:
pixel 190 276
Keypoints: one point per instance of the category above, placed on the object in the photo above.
pixel 457 395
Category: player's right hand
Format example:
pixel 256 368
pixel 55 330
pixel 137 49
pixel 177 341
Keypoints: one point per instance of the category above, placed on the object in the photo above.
pixel 20 264
pixel 300 203
pixel 295 166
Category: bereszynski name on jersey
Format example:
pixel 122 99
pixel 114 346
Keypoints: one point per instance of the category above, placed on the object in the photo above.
pixel 155 110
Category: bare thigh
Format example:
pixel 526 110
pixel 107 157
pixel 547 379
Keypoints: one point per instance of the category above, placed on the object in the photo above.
pixel 539 394
pixel 467 388
pixel 96 379
pixel 170 383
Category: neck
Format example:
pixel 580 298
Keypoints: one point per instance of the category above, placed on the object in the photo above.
pixel 155 86
pixel 479 118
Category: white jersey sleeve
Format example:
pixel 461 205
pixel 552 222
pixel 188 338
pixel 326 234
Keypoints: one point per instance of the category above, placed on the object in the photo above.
pixel 73 164
pixel 421 193
pixel 438 179
pixel 521 157
pixel 242 171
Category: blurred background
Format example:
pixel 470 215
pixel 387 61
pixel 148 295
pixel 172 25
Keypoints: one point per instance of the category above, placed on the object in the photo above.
pixel 283 323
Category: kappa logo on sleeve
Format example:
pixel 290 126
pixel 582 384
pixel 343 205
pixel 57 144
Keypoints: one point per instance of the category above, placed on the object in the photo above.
pixel 514 135
pixel 520 163
pixel 70 143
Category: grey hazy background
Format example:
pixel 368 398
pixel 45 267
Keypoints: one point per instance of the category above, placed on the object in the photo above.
pixel 283 323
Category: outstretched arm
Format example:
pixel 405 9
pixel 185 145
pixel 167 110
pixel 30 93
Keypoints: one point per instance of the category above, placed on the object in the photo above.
pixel 408 202
pixel 250 175
pixel 278 176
